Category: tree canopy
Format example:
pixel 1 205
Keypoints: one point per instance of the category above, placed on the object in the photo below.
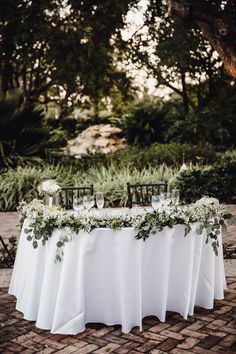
pixel 63 46
pixel 74 53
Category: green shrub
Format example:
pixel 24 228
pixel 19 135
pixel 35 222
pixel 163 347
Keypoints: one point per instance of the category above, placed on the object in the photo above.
pixel 227 157
pixel 23 133
pixel 169 154
pixel 144 124
pixel 22 182
pixel 218 182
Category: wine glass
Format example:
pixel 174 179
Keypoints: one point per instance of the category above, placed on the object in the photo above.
pixel 100 200
pixel 88 201
pixel 162 198
pixel 175 197
pixel 167 199
pixel 156 202
pixel 78 204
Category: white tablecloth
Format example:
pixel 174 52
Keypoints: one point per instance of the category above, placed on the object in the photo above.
pixel 110 277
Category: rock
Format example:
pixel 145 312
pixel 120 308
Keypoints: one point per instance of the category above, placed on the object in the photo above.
pixel 96 138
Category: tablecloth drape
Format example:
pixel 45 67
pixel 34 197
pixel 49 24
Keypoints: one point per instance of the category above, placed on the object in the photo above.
pixel 110 277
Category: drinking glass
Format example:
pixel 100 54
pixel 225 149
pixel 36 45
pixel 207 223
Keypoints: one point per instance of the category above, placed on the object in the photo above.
pixel 100 200
pixel 78 204
pixel 88 201
pixel 162 197
pixel 165 198
pixel 175 197
pixel 156 203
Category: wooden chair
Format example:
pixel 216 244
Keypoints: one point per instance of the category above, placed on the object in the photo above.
pixel 11 259
pixel 68 194
pixel 141 194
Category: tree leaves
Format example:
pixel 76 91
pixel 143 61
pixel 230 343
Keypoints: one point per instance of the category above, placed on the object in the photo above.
pixel 22 132
pixel 74 45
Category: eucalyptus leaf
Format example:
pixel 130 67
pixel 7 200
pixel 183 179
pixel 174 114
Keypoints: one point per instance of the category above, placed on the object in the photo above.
pixel 27 231
pixel 59 244
pixel 37 235
pixel 35 244
pixel 199 230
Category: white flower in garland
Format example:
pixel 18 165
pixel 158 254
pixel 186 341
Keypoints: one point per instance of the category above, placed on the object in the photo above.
pixel 207 206
pixel 208 202
pixel 50 187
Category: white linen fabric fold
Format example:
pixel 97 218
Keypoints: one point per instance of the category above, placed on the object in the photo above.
pixel 110 277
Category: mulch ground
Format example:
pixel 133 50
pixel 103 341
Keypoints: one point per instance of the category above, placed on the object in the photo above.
pixel 208 331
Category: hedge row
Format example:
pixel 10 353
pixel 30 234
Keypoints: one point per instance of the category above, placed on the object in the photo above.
pixel 218 182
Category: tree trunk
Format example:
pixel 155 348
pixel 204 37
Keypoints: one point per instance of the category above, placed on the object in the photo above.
pixel 185 94
pixel 96 106
pixel 217 27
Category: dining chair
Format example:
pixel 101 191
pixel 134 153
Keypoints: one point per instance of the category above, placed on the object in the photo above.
pixel 68 194
pixel 10 257
pixel 141 194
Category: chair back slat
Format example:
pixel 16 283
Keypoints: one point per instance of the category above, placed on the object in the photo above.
pixel 68 194
pixel 141 194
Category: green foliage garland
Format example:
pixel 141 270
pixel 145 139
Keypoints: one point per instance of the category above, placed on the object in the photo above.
pixel 39 221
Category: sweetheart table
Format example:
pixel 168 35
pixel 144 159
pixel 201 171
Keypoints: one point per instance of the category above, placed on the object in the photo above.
pixel 110 277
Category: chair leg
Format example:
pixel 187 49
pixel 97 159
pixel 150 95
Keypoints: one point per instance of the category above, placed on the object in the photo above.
pixel 7 250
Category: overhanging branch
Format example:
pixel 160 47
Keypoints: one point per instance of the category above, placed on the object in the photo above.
pixel 216 26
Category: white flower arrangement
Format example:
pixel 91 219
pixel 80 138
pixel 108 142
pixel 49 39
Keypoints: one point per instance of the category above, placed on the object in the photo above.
pixel 208 202
pixel 50 187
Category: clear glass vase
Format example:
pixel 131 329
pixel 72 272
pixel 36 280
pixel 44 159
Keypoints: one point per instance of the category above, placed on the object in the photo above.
pixel 49 201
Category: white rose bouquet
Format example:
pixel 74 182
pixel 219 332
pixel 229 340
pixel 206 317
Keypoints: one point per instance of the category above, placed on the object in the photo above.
pixel 50 187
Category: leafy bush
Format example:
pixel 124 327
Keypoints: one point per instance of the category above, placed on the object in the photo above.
pixel 58 138
pixel 144 124
pixel 227 157
pixel 218 182
pixel 137 157
pixel 22 182
pixel 212 123
pixel 169 154
pixel 61 131
pixel 22 132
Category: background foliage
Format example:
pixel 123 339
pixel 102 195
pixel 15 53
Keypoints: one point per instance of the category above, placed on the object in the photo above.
pixel 21 183
pixel 74 64
pixel 218 182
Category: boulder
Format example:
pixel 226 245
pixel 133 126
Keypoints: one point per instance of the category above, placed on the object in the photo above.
pixel 96 138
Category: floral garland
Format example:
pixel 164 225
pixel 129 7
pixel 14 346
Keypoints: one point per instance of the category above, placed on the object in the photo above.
pixel 40 221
